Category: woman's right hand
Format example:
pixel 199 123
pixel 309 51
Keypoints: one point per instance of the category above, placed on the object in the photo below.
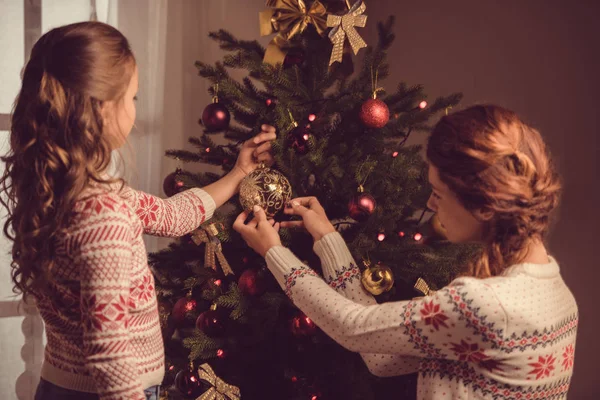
pixel 314 219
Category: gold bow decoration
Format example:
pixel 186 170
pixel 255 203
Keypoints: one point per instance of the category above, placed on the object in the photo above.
pixel 288 18
pixel 344 25
pixel 214 250
pixel 219 389
pixel 423 287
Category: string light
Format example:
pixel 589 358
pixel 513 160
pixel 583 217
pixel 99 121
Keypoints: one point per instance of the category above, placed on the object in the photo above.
pixel 217 282
pixel 401 233
pixel 381 237
pixel 395 154
pixel 207 149
pixel 418 236
pixel 220 353
pixel 422 104
pixel 312 117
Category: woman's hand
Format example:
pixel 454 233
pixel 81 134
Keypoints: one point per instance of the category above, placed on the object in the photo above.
pixel 260 234
pixel 314 219
pixel 256 150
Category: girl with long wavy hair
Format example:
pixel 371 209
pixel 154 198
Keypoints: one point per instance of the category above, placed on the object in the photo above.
pixel 505 328
pixel 76 232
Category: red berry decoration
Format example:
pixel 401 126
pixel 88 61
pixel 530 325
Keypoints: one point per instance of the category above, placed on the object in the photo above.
pixel 298 139
pixel 361 206
pixel 172 183
pixel 374 113
pixel 215 117
pixel 182 308
pixel 189 384
pixel 211 322
pixel 252 282
pixel 301 325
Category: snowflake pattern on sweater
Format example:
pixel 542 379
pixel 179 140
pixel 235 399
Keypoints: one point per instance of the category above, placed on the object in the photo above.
pixel 506 337
pixel 101 312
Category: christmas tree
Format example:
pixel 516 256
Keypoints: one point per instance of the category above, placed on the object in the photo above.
pixel 341 138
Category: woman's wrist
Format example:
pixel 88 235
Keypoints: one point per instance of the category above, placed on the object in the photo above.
pixel 237 174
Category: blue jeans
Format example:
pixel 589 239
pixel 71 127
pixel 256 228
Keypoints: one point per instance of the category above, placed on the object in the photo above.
pixel 49 391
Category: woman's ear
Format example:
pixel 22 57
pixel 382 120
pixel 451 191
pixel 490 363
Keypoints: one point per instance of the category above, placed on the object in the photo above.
pixel 484 214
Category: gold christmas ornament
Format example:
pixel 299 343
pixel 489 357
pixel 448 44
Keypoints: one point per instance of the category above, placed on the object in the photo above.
pixel 219 390
pixel 344 26
pixel 267 188
pixel 377 279
pixel 288 18
pixel 437 226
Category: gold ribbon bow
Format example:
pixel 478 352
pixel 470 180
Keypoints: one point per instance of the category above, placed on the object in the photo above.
pixel 288 18
pixel 219 389
pixel 214 250
pixel 343 26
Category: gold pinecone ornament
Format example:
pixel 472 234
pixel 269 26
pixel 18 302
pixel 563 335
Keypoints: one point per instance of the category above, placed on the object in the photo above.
pixel 267 188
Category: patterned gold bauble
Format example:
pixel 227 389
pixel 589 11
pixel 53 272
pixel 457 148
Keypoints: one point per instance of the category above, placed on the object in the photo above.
pixel 267 188
pixel 377 279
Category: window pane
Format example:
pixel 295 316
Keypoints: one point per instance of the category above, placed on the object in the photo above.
pixel 12 49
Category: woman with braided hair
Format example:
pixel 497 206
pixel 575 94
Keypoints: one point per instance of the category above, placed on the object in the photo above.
pixel 506 327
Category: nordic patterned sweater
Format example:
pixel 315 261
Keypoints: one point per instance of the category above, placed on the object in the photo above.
pixel 506 337
pixel 101 315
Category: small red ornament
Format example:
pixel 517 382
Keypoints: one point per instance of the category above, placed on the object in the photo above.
pixel 374 113
pixel 298 139
pixel 189 384
pixel 215 117
pixel 361 206
pixel 211 322
pixel 181 309
pixel 301 325
pixel 270 103
pixel 252 282
pixel 172 183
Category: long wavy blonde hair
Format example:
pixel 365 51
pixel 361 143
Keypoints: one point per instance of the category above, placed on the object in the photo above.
pixel 493 161
pixel 57 145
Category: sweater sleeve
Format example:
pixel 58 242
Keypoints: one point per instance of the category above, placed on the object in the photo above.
pixel 462 321
pixel 172 217
pixel 343 275
pixel 102 248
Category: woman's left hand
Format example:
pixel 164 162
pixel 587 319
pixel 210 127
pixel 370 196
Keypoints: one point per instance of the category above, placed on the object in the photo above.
pixel 261 233
pixel 256 150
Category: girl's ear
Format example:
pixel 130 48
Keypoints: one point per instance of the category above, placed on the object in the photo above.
pixel 484 214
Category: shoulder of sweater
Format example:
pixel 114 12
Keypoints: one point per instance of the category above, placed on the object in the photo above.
pixel 101 202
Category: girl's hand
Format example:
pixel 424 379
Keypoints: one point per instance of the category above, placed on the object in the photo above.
pixel 256 150
pixel 260 234
pixel 314 219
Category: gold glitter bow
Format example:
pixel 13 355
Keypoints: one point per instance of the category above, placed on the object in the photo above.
pixel 343 26
pixel 423 287
pixel 219 389
pixel 288 18
pixel 214 250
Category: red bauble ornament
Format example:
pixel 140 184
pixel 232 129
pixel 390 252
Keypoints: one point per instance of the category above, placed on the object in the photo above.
pixel 216 117
pixel 172 183
pixel 298 139
pixel 252 282
pixel 181 309
pixel 301 325
pixel 211 322
pixel 189 384
pixel 374 113
pixel 361 206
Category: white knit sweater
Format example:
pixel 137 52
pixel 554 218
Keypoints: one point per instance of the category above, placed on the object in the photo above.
pixel 506 337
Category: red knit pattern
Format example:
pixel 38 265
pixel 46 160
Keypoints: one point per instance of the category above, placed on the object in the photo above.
pixel 101 312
